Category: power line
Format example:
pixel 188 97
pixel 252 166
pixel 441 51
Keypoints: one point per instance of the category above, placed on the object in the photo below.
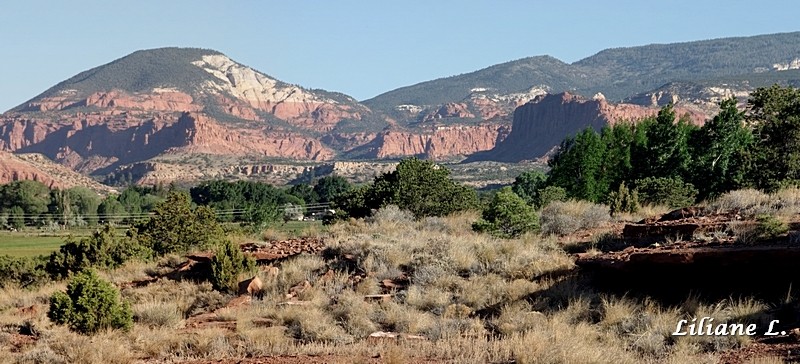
pixel 312 208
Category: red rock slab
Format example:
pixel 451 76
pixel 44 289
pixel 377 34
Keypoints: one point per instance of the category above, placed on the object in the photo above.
pixel 718 256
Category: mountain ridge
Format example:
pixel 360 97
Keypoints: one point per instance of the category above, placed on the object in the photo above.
pixel 177 102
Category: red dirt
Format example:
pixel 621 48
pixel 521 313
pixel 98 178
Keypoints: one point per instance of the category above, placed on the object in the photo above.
pixel 785 348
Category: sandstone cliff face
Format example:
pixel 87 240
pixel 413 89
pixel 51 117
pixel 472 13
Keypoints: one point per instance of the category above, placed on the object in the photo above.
pixel 480 104
pixel 440 143
pixel 544 122
pixel 449 110
pixel 35 167
pixel 233 88
pixel 165 171
pixel 92 142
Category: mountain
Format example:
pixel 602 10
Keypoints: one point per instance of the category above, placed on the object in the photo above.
pixel 170 114
pixel 503 78
pixel 189 79
pixel 622 72
pixel 154 111
pixel 705 95
pixel 175 101
pixel 618 73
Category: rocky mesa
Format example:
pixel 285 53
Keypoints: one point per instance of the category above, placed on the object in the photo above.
pixel 543 123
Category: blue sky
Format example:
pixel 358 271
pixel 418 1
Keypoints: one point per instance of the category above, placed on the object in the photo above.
pixel 361 48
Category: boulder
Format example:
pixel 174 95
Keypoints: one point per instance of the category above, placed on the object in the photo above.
pixel 250 286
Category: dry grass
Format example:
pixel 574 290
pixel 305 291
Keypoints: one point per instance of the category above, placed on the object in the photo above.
pixel 749 202
pixel 564 218
pixel 475 298
pixel 644 212
pixel 158 314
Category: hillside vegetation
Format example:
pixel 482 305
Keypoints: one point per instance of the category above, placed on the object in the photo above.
pixel 618 73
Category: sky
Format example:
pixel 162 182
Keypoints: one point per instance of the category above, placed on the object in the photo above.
pixel 360 48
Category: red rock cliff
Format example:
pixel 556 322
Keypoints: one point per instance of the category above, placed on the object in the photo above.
pixel 440 143
pixel 543 123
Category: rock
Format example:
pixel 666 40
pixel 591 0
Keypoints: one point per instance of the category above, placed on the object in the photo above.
pixel 394 336
pixel 794 334
pixel 298 289
pixel 441 142
pixel 643 230
pixel 202 257
pixel 448 110
pixel 272 272
pixel 328 276
pixel 681 214
pixel 250 286
pixel 239 301
pixel 294 303
pixel 379 297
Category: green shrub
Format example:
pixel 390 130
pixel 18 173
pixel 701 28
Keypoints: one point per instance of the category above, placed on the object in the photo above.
pixel 90 305
pixel 101 250
pixel 769 227
pixel 528 184
pixel 177 228
pixel 672 192
pixel 623 200
pixel 21 271
pixel 226 266
pixel 550 194
pixel 507 216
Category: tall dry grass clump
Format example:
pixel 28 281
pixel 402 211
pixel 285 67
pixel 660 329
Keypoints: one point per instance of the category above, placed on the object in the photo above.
pixel 784 202
pixel 567 217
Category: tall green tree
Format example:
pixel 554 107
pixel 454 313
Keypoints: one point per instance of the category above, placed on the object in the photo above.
pixel 419 186
pixel 250 202
pixel 578 166
pixel 663 149
pixel 110 210
pixel 720 148
pixel 775 115
pixel 328 187
pixel 304 192
pixel 617 166
pixel 31 196
pixel 426 189
pixel 85 203
pixel 131 200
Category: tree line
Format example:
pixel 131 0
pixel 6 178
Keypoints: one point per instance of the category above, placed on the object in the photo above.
pixel 31 203
pixel 665 159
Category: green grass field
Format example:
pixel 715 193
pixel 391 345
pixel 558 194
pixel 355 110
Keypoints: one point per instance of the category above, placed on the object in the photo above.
pixel 36 242
pixel 29 243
